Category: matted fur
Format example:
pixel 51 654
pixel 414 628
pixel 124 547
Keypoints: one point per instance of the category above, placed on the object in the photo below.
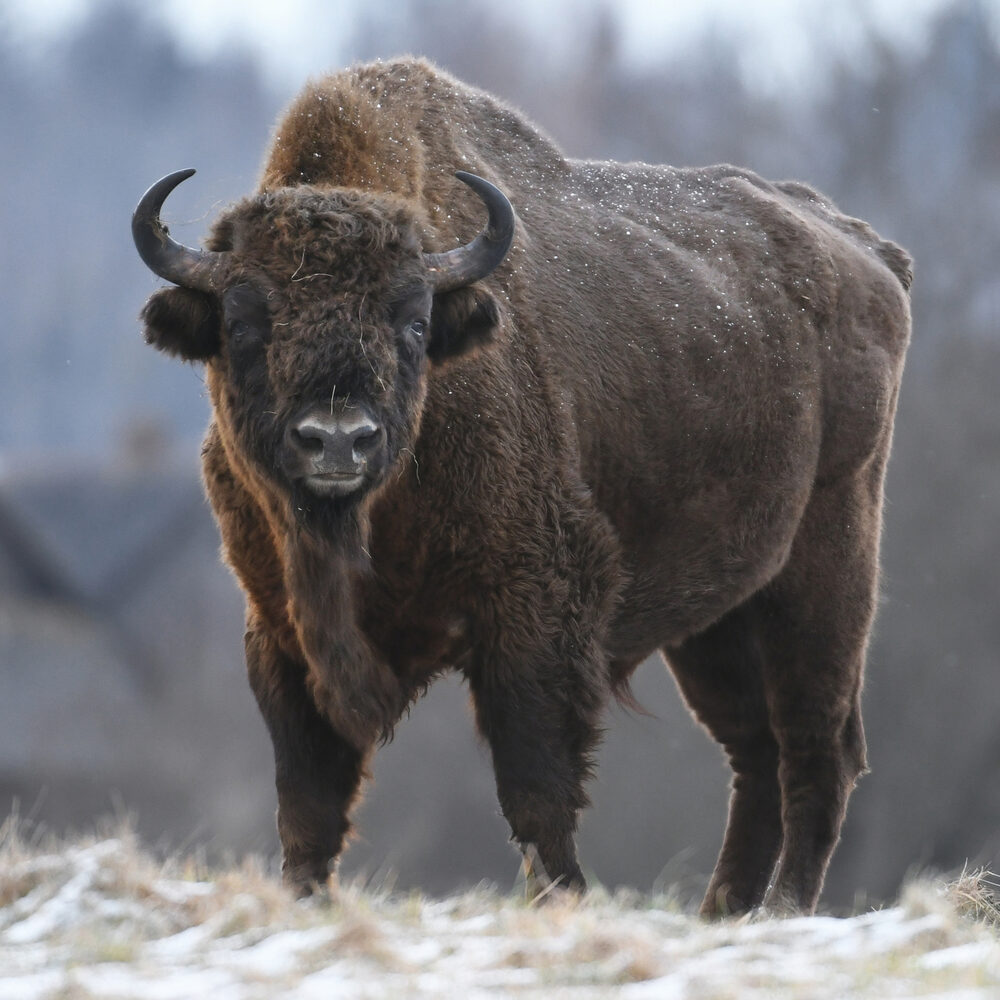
pixel 661 423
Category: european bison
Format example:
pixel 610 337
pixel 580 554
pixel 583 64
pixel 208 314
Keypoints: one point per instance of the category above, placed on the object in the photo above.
pixel 645 409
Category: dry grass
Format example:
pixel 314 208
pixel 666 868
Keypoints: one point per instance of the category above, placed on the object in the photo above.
pixel 976 895
pixel 100 917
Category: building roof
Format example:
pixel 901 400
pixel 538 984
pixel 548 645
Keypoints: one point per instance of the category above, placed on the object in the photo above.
pixel 90 535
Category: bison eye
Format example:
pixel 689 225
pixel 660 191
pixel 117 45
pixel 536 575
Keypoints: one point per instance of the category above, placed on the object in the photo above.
pixel 238 329
pixel 247 321
pixel 418 327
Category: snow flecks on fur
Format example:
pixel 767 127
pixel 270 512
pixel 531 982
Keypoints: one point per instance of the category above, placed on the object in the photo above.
pixel 103 919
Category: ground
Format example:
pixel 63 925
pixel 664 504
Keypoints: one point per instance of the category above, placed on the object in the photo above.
pixel 101 918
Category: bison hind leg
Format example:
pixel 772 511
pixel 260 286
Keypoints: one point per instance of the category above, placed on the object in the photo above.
pixel 813 626
pixel 719 674
pixel 777 681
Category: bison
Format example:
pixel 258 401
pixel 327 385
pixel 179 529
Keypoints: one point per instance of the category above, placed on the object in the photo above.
pixel 646 408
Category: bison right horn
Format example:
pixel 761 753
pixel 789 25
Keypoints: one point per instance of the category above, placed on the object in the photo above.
pixel 163 255
pixel 464 265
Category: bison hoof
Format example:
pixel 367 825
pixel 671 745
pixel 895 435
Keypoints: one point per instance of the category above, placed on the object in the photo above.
pixel 724 903
pixel 556 893
pixel 541 888
pixel 308 881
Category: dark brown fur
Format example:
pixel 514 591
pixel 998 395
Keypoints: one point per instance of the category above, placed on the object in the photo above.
pixel 674 439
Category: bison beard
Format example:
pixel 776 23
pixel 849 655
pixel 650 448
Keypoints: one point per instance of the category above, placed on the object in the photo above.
pixel 539 456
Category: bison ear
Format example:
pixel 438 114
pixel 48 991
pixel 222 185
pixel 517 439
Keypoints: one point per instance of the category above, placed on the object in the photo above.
pixel 461 321
pixel 183 323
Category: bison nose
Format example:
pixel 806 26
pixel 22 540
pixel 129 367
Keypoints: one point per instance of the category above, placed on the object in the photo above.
pixel 333 452
pixel 341 441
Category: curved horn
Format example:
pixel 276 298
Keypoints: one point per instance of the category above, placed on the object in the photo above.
pixel 463 265
pixel 162 255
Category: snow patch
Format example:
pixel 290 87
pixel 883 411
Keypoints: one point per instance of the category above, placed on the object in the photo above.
pixel 101 920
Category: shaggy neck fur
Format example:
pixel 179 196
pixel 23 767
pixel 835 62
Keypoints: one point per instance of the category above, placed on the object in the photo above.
pixel 351 684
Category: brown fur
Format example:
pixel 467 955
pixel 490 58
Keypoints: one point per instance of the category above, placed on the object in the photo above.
pixel 673 437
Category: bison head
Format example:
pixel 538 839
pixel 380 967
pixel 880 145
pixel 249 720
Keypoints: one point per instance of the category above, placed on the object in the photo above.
pixel 317 314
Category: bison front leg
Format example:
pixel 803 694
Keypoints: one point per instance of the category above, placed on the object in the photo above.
pixel 540 720
pixel 317 773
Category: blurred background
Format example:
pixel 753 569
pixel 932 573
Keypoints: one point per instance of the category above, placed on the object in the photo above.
pixel 121 676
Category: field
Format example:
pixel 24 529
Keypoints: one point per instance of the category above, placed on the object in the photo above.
pixel 101 918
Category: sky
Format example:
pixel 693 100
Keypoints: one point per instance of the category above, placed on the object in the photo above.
pixel 778 35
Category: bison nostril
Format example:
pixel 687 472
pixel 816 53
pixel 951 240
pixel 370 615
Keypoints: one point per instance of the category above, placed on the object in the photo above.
pixel 306 442
pixel 366 441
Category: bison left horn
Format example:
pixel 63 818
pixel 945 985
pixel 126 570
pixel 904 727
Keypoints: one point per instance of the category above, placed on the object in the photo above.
pixel 163 255
pixel 464 265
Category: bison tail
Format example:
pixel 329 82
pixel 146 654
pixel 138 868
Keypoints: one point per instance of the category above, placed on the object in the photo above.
pixel 898 261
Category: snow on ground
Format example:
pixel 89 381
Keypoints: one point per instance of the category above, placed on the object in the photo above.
pixel 104 920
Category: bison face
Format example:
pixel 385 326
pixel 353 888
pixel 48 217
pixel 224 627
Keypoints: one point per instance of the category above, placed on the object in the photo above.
pixel 317 315
pixel 321 384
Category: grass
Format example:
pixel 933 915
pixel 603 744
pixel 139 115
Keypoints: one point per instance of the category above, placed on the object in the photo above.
pixel 976 895
pixel 99 916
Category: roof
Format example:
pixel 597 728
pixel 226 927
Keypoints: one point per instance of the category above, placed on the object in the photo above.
pixel 91 534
